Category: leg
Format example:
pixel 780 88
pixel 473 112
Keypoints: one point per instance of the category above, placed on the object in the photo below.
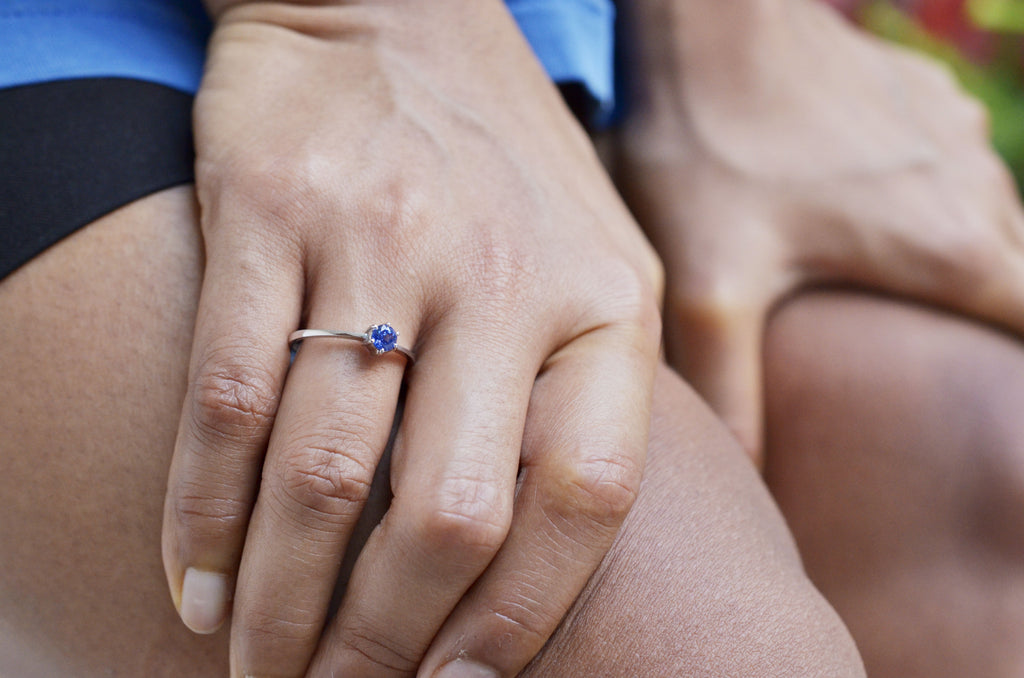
pixel 95 339
pixel 896 451
pixel 94 343
pixel 704 580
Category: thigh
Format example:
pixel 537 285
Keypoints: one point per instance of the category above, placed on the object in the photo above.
pixel 896 451
pixel 94 343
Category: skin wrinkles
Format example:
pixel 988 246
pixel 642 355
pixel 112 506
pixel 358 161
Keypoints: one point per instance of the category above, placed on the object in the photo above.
pixel 567 367
pixel 122 584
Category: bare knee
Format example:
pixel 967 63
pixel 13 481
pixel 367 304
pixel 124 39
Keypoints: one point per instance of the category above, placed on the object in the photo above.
pixel 895 450
pixel 704 579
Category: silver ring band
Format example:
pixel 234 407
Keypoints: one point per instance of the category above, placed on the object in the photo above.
pixel 378 339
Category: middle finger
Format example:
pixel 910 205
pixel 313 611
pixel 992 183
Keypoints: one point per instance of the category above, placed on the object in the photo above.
pixel 454 477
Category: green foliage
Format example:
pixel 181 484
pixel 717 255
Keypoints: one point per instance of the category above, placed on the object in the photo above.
pixel 1006 16
pixel 998 85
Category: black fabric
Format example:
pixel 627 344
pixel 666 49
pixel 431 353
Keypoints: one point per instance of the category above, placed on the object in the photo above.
pixel 74 150
pixel 580 102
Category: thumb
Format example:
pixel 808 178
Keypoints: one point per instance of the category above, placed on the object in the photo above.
pixel 716 344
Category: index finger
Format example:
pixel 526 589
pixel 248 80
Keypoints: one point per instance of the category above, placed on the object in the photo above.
pixel 249 303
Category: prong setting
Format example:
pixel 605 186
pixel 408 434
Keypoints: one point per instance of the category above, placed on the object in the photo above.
pixel 381 339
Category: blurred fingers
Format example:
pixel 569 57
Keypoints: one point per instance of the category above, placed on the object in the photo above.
pixel 715 341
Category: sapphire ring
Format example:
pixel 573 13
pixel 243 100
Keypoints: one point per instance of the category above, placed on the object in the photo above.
pixel 378 339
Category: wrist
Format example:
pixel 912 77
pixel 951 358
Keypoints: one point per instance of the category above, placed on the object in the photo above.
pixel 217 8
pixel 473 52
pixel 408 24
pixel 667 36
pixel 672 44
pixel 270 8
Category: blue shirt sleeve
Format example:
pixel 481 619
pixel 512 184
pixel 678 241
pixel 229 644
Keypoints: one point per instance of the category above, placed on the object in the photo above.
pixel 574 40
pixel 163 41
pixel 160 41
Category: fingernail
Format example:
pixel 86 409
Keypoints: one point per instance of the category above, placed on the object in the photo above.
pixel 463 668
pixel 204 600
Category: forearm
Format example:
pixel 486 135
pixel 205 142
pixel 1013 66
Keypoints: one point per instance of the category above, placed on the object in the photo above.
pixel 665 34
pixel 682 50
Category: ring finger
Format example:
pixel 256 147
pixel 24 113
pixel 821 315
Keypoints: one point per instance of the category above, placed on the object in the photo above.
pixel 335 416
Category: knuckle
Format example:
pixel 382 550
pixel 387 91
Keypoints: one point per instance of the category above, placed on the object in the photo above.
pixel 960 104
pixel 655 269
pixel 634 290
pixel 329 477
pixel 269 628
pixel 936 73
pixel 627 294
pixel 281 631
pixel 641 306
pixel 996 174
pixel 944 76
pixel 288 188
pixel 600 489
pixel 379 648
pixel 400 214
pixel 405 206
pixel 234 401
pixel 522 616
pixel 976 115
pixel 712 303
pixel 498 269
pixel 960 259
pixel 467 517
pixel 209 517
pixel 976 255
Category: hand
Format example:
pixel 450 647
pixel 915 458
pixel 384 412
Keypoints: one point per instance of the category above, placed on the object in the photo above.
pixel 412 164
pixel 772 148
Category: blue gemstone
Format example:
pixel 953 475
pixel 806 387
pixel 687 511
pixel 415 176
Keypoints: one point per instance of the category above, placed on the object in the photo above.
pixel 383 337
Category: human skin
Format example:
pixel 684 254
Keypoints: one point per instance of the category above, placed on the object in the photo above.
pixel 360 162
pixel 703 580
pixel 772 147
pixel 900 469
